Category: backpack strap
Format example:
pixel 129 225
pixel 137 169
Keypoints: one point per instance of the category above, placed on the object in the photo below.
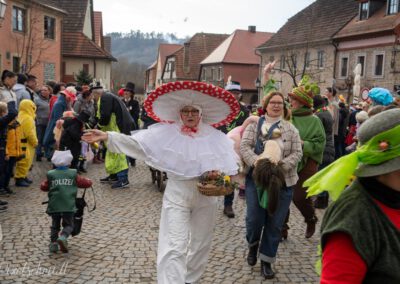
pixel 259 145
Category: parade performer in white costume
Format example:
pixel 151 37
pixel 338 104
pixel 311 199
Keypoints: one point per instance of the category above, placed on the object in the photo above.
pixel 185 144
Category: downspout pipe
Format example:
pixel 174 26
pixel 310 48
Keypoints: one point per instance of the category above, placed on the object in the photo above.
pixel 335 45
pixel 256 52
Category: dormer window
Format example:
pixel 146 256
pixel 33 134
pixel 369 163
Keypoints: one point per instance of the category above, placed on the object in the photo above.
pixel 364 10
pixel 393 7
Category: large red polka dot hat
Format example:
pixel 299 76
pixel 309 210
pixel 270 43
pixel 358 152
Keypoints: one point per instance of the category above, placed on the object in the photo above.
pixel 218 106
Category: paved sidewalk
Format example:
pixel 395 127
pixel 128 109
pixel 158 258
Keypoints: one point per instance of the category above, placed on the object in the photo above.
pixel 118 242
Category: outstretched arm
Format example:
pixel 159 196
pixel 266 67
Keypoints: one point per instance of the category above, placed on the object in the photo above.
pixel 116 142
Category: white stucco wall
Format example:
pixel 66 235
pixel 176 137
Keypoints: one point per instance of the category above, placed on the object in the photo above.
pixel 102 72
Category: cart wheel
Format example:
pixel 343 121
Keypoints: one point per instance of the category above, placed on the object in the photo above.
pixel 153 175
pixel 160 181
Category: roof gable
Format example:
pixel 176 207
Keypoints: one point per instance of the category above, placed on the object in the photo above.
pixel 318 22
pixel 165 50
pixel 239 48
pixel 188 58
pixel 79 45
pixel 377 23
pixel 76 9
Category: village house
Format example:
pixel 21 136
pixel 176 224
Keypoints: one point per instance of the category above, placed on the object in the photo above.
pixel 305 44
pixel 235 57
pixel 30 37
pixel 371 38
pixel 164 50
pixel 83 45
pixel 184 64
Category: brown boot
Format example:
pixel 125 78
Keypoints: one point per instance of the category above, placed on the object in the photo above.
pixel 310 230
pixel 284 232
pixel 228 211
pixel 96 160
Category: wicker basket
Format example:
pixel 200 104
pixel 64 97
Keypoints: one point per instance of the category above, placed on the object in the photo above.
pixel 209 189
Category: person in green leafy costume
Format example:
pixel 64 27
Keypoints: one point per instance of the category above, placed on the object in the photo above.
pixel 360 231
pixel 313 141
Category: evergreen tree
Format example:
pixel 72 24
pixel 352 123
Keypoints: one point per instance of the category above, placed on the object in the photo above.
pixel 83 77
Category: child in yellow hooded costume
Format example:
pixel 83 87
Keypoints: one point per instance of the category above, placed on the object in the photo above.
pixel 26 117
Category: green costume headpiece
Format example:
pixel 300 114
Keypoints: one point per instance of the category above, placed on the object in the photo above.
pixel 305 92
pixel 378 153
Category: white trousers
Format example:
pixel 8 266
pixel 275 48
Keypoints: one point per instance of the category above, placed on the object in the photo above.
pixel 185 236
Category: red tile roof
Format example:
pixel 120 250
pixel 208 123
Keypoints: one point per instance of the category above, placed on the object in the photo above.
pixel 239 48
pixel 379 22
pixel 78 45
pixel 51 4
pixel 107 43
pixel 196 49
pixel 165 50
pixel 76 14
pixel 319 21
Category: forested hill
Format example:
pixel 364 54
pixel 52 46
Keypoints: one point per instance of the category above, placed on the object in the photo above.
pixel 139 47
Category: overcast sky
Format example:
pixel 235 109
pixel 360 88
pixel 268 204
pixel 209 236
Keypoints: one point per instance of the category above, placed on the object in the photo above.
pixel 187 17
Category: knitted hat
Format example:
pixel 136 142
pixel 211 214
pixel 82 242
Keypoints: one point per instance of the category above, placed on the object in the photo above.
pixel 62 158
pixel 305 92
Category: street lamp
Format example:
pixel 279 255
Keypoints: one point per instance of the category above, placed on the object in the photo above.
pixel 3 6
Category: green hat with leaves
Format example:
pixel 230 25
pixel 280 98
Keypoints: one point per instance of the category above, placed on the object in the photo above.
pixel 305 92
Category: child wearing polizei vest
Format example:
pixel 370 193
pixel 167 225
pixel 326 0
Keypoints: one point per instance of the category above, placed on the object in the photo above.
pixel 62 185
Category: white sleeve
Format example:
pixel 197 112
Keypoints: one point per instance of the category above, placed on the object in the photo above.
pixel 124 144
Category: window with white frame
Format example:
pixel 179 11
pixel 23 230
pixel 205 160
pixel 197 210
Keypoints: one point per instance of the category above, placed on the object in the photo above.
pixel 344 66
pixel 213 74
pixel 283 63
pixel 49 27
pixel 364 10
pixel 203 74
pixel 361 60
pixel 307 59
pixel 379 64
pixel 320 61
pixel 392 7
pixel 18 19
pixel 219 73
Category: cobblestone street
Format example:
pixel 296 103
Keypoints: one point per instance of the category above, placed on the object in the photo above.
pixel 118 242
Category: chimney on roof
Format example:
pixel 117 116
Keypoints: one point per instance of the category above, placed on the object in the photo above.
pixel 252 29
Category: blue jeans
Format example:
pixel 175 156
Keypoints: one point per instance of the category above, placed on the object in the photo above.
pixel 122 175
pixel 257 218
pixel 228 199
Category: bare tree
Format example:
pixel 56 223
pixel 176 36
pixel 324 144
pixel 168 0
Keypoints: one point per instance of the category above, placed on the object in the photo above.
pixel 31 43
pixel 297 60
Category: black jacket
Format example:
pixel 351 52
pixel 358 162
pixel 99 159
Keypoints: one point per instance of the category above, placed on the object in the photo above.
pixel 109 104
pixel 4 121
pixel 239 120
pixel 327 121
pixel 134 109
pixel 71 136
